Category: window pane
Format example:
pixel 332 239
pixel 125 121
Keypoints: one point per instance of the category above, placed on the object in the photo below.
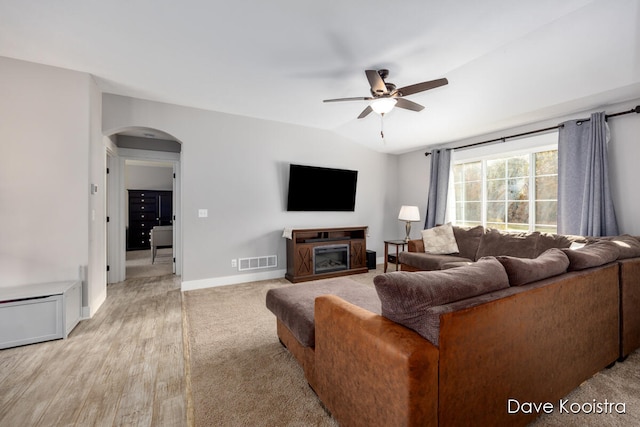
pixel 473 191
pixel 519 189
pixel 497 226
pixel 472 171
pixel 546 229
pixel 546 213
pixel 472 211
pixel 518 212
pixel 518 166
pixel 495 211
pixel 457 173
pixel 518 227
pixel 459 195
pixel 496 189
pixel 547 187
pixel 547 162
pixel 459 212
pixel 496 168
pixel 468 223
pixel 503 196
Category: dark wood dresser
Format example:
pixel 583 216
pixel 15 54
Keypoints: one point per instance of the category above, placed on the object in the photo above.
pixel 147 208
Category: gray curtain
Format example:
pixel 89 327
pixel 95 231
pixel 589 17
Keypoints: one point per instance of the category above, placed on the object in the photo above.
pixel 438 187
pixel 585 206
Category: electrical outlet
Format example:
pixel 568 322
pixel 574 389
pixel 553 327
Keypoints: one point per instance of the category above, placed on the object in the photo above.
pixel 234 263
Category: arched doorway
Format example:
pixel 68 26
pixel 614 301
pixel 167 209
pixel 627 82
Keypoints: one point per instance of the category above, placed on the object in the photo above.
pixel 135 158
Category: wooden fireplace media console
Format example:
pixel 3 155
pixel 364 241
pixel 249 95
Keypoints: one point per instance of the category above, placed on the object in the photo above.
pixel 319 253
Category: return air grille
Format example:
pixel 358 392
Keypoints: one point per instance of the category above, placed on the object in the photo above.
pixel 257 263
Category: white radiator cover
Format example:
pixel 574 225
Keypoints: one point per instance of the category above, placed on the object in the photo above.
pixel 257 263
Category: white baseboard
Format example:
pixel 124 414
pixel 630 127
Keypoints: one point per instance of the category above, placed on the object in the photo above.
pixel 191 285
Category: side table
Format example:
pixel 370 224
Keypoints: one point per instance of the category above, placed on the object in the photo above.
pixel 397 244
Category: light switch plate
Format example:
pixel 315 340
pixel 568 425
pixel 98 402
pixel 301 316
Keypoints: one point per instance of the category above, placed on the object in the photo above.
pixel 203 213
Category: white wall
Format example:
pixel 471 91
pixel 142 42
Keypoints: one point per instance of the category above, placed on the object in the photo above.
pixel 237 168
pixel 96 291
pixel 413 189
pixel 624 152
pixel 44 173
pixel 624 168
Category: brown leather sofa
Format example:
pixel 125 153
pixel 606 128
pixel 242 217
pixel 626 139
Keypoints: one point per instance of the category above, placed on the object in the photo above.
pixel 533 343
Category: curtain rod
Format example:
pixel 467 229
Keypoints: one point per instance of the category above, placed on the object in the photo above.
pixel 504 138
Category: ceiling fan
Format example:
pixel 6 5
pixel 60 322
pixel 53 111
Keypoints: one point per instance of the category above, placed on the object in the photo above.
pixel 385 96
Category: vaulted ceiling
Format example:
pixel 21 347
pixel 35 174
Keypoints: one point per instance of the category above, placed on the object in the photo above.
pixel 508 62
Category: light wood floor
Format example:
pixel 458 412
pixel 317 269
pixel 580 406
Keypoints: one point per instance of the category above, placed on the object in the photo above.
pixel 124 366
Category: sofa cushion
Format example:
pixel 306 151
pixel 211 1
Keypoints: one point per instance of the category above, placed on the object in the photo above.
pixel 405 297
pixel 294 305
pixel 468 240
pixel 592 255
pixel 440 240
pixel 494 243
pixel 523 270
pixel 428 262
pixel 548 241
pixel 454 264
pixel 628 246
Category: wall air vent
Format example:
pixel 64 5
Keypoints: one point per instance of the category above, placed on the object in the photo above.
pixel 257 263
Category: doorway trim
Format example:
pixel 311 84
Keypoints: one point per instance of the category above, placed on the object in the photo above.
pixel 117 228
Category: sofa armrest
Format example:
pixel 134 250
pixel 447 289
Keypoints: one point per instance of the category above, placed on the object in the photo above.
pixel 371 371
pixel 416 245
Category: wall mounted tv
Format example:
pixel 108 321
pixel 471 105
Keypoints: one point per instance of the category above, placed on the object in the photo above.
pixel 313 188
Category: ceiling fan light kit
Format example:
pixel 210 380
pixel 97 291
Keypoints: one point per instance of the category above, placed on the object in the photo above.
pixel 385 96
pixel 383 105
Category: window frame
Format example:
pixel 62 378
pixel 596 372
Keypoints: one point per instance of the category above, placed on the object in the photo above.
pixel 526 146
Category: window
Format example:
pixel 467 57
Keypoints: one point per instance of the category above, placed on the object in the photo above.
pixel 509 192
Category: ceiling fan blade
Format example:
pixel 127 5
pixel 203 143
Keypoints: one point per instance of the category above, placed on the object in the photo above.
pixel 377 84
pixel 408 105
pixel 365 112
pixel 361 98
pixel 420 87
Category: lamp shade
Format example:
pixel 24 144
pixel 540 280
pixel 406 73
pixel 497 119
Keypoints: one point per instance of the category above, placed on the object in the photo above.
pixel 409 213
pixel 383 105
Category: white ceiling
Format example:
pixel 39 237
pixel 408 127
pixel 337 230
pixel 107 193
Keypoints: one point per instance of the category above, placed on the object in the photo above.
pixel 508 62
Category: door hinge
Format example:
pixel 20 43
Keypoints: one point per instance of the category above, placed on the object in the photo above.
pixel 174 259
pixel 174 176
pixel 107 219
pixel 107 170
pixel 107 268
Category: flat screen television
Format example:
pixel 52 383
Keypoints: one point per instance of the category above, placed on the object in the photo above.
pixel 314 188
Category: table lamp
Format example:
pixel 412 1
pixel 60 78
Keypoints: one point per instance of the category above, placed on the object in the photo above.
pixel 409 214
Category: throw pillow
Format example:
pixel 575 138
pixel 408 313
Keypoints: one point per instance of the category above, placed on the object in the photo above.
pixel 440 240
pixel 592 255
pixel 406 296
pixel 523 270
pixel 628 246
pixel 468 240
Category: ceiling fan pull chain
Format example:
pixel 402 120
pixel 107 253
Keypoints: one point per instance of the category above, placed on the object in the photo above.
pixel 382 126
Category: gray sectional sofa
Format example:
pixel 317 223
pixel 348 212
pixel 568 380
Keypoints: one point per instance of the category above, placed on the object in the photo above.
pixel 477 242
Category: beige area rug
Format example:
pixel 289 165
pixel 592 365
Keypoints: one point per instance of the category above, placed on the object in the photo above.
pixel 241 375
